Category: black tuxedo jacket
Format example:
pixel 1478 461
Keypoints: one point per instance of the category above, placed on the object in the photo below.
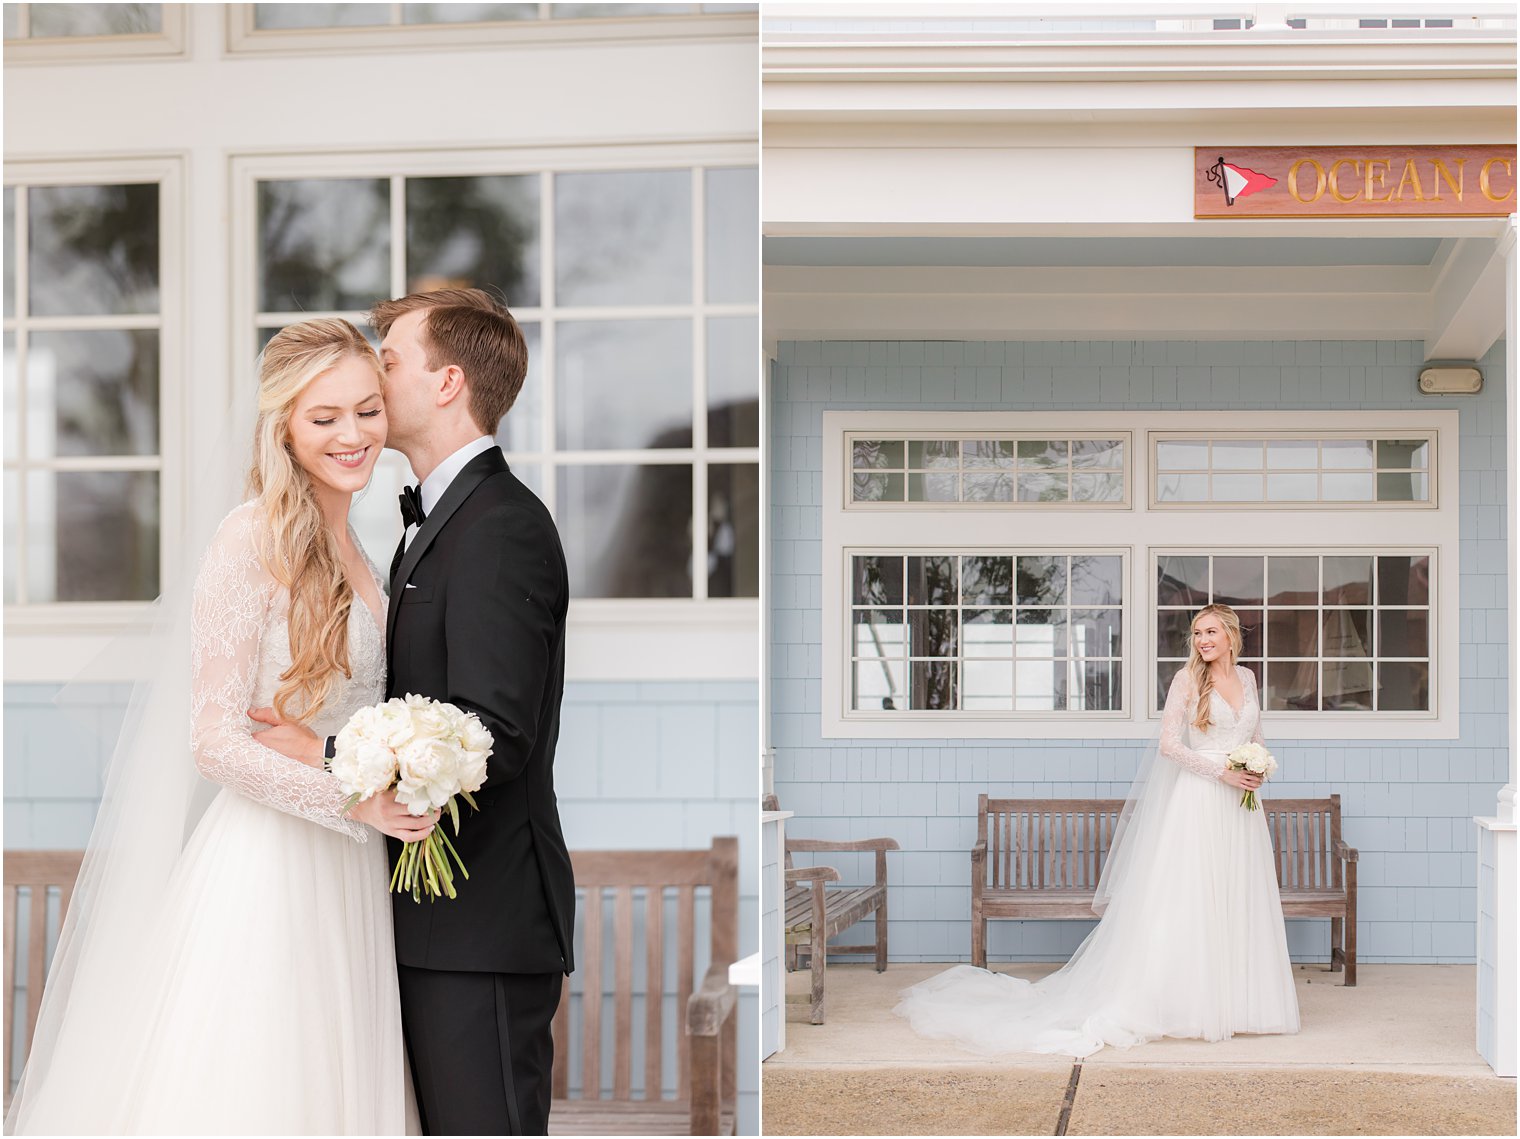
pixel 477 618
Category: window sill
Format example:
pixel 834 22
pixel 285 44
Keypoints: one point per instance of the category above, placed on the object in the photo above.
pixel 607 641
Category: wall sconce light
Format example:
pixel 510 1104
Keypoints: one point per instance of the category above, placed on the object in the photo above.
pixel 1451 379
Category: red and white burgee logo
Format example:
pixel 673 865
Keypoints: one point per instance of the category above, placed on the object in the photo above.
pixel 1238 181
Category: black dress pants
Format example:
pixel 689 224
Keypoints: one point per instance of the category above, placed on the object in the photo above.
pixel 481 1049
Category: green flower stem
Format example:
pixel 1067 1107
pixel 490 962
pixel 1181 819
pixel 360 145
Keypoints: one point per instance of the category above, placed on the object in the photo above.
pixel 423 867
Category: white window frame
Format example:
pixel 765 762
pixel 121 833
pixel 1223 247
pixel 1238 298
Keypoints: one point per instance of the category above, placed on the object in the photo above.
pixel 611 638
pixel 1143 532
pixel 167 43
pixel 245 39
pixel 1156 437
pixel 1126 469
pixel 48 621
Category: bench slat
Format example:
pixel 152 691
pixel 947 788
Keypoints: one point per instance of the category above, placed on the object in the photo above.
pixel 622 1017
pixel 12 910
pixel 561 1034
pixel 685 923
pixel 654 989
pixel 591 997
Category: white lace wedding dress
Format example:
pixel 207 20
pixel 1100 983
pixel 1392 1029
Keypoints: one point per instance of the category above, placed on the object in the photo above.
pixel 267 1003
pixel 1192 942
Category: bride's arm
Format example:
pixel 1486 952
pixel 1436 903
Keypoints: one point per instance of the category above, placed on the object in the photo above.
pixel 232 595
pixel 1179 707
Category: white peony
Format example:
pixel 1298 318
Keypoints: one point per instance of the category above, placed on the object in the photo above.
pixel 429 775
pixel 393 723
pixel 362 765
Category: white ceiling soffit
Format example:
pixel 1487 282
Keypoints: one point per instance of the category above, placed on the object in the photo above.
pixel 1455 303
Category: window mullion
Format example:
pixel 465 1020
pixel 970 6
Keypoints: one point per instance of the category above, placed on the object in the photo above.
pixel 398 236
pixel 22 238
pixel 547 329
pixel 699 480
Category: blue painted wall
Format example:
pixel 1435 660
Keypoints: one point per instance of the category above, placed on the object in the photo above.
pixel 1408 806
pixel 639 765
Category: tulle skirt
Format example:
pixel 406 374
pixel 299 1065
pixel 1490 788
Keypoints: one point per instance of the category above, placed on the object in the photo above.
pixel 265 1001
pixel 1193 945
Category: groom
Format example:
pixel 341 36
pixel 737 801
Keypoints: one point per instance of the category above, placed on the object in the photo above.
pixel 477 618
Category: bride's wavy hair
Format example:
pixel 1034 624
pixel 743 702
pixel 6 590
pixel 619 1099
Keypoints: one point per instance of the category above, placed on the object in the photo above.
pixel 301 552
pixel 1198 669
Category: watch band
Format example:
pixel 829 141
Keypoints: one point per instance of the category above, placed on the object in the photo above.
pixel 329 750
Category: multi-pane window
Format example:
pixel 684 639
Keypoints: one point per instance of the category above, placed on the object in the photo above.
pixel 83 329
pixel 69 21
pixel 1357 470
pixel 992 613
pixel 637 291
pixel 1004 469
pixel 280 16
pixel 987 631
pixel 1323 632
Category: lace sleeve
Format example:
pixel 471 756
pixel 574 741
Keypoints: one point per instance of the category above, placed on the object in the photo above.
pixel 233 591
pixel 1179 704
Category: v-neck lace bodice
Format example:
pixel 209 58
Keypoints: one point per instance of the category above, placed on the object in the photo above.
pixel 1203 752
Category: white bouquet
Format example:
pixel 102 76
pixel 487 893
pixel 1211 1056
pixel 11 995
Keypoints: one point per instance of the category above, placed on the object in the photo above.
pixel 1257 760
pixel 430 752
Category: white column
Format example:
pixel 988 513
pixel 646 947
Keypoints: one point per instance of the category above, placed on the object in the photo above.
pixel 773 932
pixel 1496 836
pixel 1506 811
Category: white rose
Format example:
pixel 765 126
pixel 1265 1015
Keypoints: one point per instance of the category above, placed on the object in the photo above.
pixel 429 775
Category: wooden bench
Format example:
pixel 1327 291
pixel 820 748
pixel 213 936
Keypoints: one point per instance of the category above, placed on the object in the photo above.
pixel 812 906
pixel 704 1045
pixel 39 873
pixel 621 915
pixel 1041 858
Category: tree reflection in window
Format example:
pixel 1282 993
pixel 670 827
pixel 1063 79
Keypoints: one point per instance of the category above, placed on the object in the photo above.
pixel 987 632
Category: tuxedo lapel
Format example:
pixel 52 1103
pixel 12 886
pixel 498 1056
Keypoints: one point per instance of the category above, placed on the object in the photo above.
pixel 396 562
pixel 475 472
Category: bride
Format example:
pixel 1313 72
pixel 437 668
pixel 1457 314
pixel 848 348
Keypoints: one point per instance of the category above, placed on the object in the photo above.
pixel 243 979
pixel 1191 941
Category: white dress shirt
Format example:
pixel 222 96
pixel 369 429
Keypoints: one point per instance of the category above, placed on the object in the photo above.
pixel 436 483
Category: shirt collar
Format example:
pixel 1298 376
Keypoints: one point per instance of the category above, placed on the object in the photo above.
pixel 436 483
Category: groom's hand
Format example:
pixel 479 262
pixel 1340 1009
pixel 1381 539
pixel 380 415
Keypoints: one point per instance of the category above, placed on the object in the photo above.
pixel 293 740
pixel 389 817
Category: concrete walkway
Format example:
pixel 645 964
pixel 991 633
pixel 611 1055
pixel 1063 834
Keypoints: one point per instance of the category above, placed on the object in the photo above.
pixel 1394 1055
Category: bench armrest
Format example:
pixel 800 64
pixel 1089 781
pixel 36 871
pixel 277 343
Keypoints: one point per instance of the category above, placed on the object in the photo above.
pixel 979 853
pixel 712 1004
pixel 1349 853
pixel 832 846
pixel 817 875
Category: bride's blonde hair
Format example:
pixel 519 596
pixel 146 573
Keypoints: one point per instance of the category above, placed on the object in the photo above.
pixel 301 552
pixel 1198 668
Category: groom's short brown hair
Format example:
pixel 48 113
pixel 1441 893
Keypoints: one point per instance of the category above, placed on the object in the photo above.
pixel 471 329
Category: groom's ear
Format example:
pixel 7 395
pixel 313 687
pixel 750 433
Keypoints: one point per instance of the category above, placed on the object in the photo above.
pixel 453 386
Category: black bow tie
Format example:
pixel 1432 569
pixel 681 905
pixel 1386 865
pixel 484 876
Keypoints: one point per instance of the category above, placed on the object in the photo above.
pixel 412 513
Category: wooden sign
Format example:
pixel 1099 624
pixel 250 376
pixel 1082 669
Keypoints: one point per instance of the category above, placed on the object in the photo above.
pixel 1353 181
